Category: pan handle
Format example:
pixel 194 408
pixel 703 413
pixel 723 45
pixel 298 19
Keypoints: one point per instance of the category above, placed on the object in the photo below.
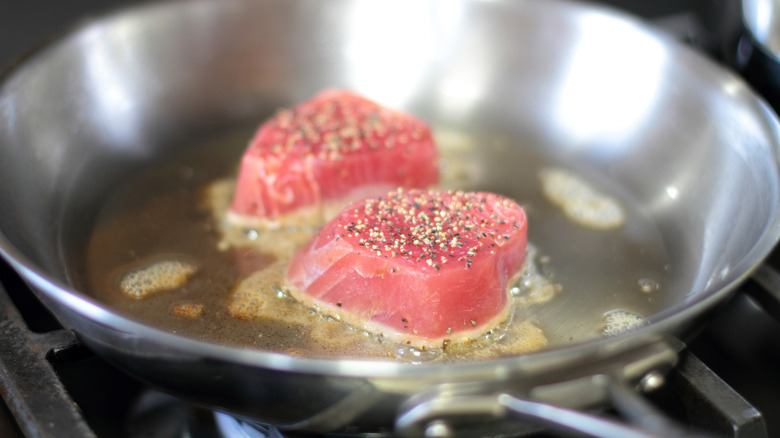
pixel 445 415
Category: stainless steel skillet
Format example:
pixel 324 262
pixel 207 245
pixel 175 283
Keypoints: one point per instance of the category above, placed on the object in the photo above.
pixel 682 141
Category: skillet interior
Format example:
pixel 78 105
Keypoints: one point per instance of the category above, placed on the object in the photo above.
pixel 650 122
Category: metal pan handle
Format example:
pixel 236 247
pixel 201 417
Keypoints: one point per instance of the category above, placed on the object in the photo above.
pixel 445 416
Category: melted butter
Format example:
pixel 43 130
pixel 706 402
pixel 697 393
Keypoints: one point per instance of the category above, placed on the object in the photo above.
pixel 619 321
pixel 533 287
pixel 279 238
pixel 581 202
pixel 151 276
pixel 187 310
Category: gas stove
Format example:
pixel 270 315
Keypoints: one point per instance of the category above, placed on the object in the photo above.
pixel 726 383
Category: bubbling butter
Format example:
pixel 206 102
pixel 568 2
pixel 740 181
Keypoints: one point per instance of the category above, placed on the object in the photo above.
pixel 620 321
pixel 155 277
pixel 188 310
pixel 581 202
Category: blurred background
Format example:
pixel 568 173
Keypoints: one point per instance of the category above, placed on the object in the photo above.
pixel 24 24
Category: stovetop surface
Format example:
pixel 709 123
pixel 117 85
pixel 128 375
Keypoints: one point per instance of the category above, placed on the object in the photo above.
pixel 25 24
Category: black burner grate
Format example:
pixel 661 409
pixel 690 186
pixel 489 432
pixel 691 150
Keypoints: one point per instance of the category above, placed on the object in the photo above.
pixel 32 390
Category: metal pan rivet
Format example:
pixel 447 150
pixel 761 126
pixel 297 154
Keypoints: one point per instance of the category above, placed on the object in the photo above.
pixel 438 429
pixel 651 381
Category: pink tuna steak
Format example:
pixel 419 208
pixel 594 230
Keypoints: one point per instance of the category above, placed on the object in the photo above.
pixel 326 148
pixel 418 267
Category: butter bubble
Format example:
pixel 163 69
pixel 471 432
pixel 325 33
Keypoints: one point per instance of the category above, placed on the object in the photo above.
pixel 155 277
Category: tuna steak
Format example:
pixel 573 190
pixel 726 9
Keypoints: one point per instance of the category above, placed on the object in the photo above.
pixel 337 145
pixel 422 268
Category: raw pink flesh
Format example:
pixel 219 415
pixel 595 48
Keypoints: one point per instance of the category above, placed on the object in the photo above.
pixel 418 267
pixel 328 147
